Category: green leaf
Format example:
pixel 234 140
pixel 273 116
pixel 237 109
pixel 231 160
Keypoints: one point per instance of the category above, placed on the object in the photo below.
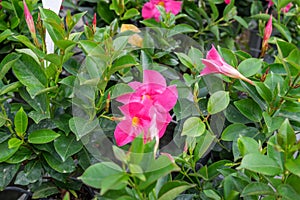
pixel 293 58
pixel 264 91
pixel 120 89
pixel 104 12
pixel 241 21
pixel 21 122
pixel 247 145
pixel 7 63
pixel 249 109
pixel 234 116
pixel 285 48
pixel 132 12
pixel 218 102
pixel 10 87
pixel 185 60
pixel 67 146
pixel 181 28
pixel 215 30
pixel 286 135
pixel 250 67
pixel 2 119
pixel 261 164
pixel 30 74
pixel 257 189
pixel 115 181
pixel 293 165
pixel 42 136
pixel 137 171
pixel 5 34
pixel 45 190
pixel 193 127
pixel 8 172
pixel 284 31
pixel 204 143
pixel 22 154
pixel 287 192
pixel 81 126
pixel 212 194
pixel 95 174
pixel 31 173
pixel 122 62
pixel 5 152
pixel 55 162
pixel 171 190
pixel 234 131
pixel 14 143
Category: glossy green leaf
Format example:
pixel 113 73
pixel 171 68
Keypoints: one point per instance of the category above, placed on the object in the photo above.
pixel 30 74
pixel 264 91
pixel 218 102
pixel 287 192
pixel 80 126
pixel 6 152
pixel 257 189
pixel 249 109
pixel 122 63
pixel 21 122
pixel 8 172
pixel 185 60
pixel 250 67
pixel 95 174
pixel 241 20
pixel 171 190
pixel 212 194
pixel 45 190
pixel 261 164
pixel 193 127
pixel 233 115
pixel 293 165
pixel 204 143
pixel 132 12
pixel 14 143
pixel 67 146
pixel 7 63
pixel 55 162
pixel 293 58
pixel 42 136
pixel 22 154
pixel 247 145
pixel 31 173
pixel 180 29
pixel 286 136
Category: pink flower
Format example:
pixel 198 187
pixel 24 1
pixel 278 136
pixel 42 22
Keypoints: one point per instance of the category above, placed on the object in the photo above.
pixel 270 3
pixel 149 9
pixel 267 35
pixel 146 110
pixel 29 20
pixel 152 91
pixel 214 63
pixel 287 8
pixel 94 23
pixel 227 1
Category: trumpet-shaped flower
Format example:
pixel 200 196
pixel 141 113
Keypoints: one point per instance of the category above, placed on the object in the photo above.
pixel 214 63
pixel 29 20
pixel 287 8
pixel 227 1
pixel 267 35
pixel 152 91
pixel 149 9
pixel 146 110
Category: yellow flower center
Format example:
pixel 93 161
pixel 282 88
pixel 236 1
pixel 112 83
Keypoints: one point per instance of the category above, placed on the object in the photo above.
pixel 135 121
pixel 146 96
pixel 161 3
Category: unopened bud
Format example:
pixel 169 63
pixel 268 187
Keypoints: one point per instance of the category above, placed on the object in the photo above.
pixel 94 24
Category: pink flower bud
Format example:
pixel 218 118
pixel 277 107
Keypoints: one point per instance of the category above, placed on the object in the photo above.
pixel 94 22
pixel 214 63
pixel 227 1
pixel 29 20
pixel 267 35
pixel 287 8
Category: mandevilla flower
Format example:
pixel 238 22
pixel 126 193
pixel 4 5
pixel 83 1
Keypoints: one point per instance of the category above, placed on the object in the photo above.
pixel 227 1
pixel 146 110
pixel 153 90
pixel 287 8
pixel 29 20
pixel 214 63
pixel 149 9
pixel 267 35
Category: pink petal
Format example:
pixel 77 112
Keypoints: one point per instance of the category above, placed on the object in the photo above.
pixel 149 10
pixel 151 76
pixel 210 67
pixel 124 98
pixel 135 85
pixel 227 1
pixel 173 6
pixel 214 55
pixel 168 98
pixel 124 133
